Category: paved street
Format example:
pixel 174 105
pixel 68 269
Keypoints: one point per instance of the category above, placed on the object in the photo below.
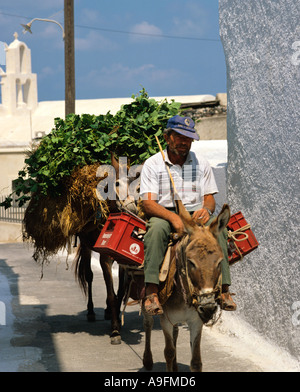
pixel 46 328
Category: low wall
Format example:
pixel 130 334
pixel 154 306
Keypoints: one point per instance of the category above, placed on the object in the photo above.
pixel 212 128
pixel 10 232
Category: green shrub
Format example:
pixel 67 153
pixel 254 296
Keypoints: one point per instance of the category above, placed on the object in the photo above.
pixel 87 139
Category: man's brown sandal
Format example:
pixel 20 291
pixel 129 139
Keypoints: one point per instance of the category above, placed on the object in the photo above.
pixel 153 307
pixel 227 302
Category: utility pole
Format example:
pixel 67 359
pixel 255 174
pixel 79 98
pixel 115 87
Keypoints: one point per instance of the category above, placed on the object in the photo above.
pixel 69 57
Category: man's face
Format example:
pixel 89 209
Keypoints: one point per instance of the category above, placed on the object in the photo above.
pixel 178 144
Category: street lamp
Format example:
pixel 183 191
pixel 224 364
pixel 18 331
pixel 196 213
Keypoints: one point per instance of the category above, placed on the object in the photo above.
pixel 68 37
pixel 27 27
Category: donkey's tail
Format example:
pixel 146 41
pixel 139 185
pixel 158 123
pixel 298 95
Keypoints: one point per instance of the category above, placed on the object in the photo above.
pixel 82 266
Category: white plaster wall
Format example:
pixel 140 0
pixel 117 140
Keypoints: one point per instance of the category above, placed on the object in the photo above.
pixel 264 159
pixel 10 164
pixel 215 152
pixel 10 232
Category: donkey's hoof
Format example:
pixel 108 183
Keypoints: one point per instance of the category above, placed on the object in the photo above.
pixel 148 362
pixel 115 338
pixel 91 317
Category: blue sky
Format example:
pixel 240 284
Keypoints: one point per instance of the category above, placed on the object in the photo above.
pixel 170 47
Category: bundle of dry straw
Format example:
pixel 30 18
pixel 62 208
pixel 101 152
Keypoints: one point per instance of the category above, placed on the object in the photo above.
pixel 50 223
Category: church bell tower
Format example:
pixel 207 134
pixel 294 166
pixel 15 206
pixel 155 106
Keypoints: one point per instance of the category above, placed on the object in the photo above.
pixel 18 83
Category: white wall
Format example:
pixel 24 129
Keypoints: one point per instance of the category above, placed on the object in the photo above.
pixel 11 161
pixel 264 159
pixel 215 152
pixel 10 232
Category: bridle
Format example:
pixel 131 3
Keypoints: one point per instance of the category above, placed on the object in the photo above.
pixel 128 205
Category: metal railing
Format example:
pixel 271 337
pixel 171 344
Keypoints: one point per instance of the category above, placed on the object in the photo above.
pixel 12 214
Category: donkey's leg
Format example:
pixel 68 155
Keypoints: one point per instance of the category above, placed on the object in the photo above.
pixel 106 266
pixel 120 294
pixel 121 287
pixel 88 274
pixel 195 340
pixel 148 325
pixel 175 336
pixel 112 300
pixel 171 334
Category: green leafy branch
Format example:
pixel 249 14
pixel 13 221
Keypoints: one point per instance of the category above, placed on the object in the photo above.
pixel 83 140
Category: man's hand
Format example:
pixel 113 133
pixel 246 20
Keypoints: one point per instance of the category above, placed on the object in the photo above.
pixel 201 216
pixel 177 224
pixel 153 209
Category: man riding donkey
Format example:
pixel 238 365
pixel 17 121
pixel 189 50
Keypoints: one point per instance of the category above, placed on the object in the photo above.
pixel 195 184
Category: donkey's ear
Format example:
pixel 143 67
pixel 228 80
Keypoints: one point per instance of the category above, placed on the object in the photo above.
pixel 189 224
pixel 221 221
pixel 114 162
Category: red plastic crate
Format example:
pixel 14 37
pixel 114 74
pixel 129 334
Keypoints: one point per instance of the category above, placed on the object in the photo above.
pixel 120 239
pixel 245 244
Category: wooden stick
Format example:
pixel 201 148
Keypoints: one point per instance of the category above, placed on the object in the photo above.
pixel 168 169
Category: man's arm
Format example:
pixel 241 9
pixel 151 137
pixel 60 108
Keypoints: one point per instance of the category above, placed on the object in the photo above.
pixel 152 208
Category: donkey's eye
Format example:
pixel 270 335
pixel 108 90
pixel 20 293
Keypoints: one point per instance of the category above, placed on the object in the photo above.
pixel 117 183
pixel 192 264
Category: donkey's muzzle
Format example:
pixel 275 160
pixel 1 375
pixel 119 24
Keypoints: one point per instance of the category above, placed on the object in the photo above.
pixel 207 306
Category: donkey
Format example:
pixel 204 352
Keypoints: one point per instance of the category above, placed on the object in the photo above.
pixel 83 271
pixel 198 284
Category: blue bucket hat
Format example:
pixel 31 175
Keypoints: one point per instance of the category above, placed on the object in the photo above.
pixel 183 125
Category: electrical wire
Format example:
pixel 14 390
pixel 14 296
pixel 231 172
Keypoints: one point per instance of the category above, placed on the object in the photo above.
pixel 149 34
pixel 126 32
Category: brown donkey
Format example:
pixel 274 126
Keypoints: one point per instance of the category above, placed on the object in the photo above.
pixel 197 287
pixel 83 270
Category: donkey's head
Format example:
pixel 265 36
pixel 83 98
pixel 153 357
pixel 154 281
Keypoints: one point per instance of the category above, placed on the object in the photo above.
pixel 122 187
pixel 115 186
pixel 203 260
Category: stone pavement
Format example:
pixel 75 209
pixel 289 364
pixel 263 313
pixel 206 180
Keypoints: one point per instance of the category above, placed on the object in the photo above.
pixel 46 329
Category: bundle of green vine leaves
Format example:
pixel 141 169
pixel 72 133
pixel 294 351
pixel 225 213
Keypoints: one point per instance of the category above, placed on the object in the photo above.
pixel 85 139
